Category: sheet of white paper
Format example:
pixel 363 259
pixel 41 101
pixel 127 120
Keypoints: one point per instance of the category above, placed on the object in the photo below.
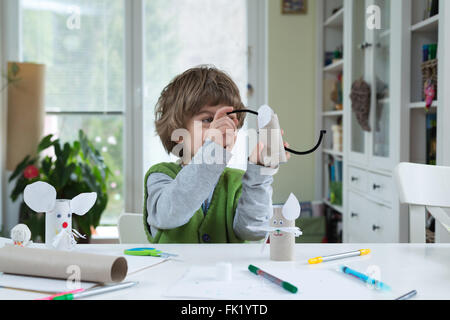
pixel 291 209
pixel 39 284
pixel 313 284
pixel 4 241
pixel 264 116
pixel 199 282
pixel 135 263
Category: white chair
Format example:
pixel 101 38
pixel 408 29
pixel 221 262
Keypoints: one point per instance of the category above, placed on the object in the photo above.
pixel 424 188
pixel 131 229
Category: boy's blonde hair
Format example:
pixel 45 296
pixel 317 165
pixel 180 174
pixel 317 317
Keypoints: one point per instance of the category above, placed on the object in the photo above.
pixel 187 94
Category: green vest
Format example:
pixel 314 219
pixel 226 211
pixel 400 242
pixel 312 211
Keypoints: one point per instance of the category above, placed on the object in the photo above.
pixel 214 227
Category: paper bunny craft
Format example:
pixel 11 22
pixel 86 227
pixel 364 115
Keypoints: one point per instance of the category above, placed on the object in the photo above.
pixel 41 197
pixel 282 230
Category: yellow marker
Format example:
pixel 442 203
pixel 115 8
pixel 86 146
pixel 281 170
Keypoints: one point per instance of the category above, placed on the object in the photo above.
pixel 318 260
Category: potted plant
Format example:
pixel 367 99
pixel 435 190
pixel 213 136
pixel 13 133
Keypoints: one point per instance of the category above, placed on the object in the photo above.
pixel 75 168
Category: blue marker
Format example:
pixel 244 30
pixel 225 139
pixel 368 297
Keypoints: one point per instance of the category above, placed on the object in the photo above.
pixel 360 276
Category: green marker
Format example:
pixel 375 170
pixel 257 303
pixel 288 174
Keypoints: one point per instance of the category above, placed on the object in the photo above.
pixel 286 285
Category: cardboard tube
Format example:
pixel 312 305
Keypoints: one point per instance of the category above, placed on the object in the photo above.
pixel 282 244
pixel 26 113
pixel 273 153
pixel 55 264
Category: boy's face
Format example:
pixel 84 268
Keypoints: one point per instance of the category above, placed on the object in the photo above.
pixel 205 120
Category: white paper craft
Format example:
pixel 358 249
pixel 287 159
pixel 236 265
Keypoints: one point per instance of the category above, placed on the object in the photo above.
pixel 41 197
pixel 282 230
pixel 270 135
pixel 21 235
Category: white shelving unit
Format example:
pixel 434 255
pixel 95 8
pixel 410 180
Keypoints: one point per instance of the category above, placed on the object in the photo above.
pixel 392 60
pixel 334 67
pixel 330 36
pixel 336 20
pixel 427 25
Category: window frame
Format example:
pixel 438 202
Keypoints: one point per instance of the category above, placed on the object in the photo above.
pixel 134 94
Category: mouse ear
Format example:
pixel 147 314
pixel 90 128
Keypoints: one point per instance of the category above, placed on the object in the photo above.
pixel 82 203
pixel 40 196
pixel 264 116
pixel 291 209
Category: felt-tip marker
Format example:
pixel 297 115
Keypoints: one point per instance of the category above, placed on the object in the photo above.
pixel 318 260
pixel 286 285
pixel 361 276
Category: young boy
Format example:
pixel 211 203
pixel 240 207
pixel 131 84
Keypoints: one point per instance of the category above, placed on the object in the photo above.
pixel 198 199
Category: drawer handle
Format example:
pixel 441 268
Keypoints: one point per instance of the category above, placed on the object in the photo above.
pixel 354 215
pixel 364 45
pixel 375 228
pixel 354 179
pixel 376 186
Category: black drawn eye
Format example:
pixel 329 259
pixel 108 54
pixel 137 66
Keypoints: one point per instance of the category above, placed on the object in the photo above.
pixel 274 221
pixel 68 216
pixel 281 222
pixel 58 215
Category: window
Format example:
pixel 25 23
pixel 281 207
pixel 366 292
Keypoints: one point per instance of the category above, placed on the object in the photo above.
pixel 85 45
pixel 184 34
pixel 81 42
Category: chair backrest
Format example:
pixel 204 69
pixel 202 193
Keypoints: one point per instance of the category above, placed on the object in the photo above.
pixel 423 185
pixel 131 229
pixel 424 188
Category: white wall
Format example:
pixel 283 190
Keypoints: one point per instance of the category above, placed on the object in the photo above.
pixel 292 74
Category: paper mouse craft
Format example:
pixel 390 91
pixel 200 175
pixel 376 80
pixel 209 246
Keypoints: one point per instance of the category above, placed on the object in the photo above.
pixel 274 152
pixel 21 235
pixel 41 197
pixel 282 230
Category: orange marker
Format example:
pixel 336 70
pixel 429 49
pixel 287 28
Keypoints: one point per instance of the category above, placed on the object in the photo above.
pixel 317 260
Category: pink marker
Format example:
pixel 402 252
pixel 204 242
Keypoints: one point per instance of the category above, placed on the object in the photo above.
pixel 60 294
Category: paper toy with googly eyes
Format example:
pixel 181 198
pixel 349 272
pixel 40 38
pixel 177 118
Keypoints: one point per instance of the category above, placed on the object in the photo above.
pixel 41 197
pixel 282 230
pixel 21 235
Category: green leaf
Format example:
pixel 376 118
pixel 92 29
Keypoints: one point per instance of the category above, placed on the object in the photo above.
pixel 46 166
pixel 66 152
pixel 76 149
pixel 45 143
pixel 15 69
pixel 66 174
pixel 58 151
pixel 90 179
pixel 20 168
pixel 19 188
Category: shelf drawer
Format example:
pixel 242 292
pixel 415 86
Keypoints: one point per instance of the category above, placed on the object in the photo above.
pixel 381 187
pixel 357 212
pixel 380 226
pixel 369 222
pixel 357 179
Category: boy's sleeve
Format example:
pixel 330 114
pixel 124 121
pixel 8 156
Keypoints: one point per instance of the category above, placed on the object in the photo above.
pixel 171 202
pixel 255 204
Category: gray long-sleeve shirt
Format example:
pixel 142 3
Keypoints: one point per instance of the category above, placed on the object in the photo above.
pixel 171 202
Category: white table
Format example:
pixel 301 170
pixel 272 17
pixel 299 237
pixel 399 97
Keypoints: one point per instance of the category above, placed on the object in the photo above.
pixel 405 267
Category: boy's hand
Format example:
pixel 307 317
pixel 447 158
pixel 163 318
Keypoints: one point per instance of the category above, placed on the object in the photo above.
pixel 227 125
pixel 256 155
